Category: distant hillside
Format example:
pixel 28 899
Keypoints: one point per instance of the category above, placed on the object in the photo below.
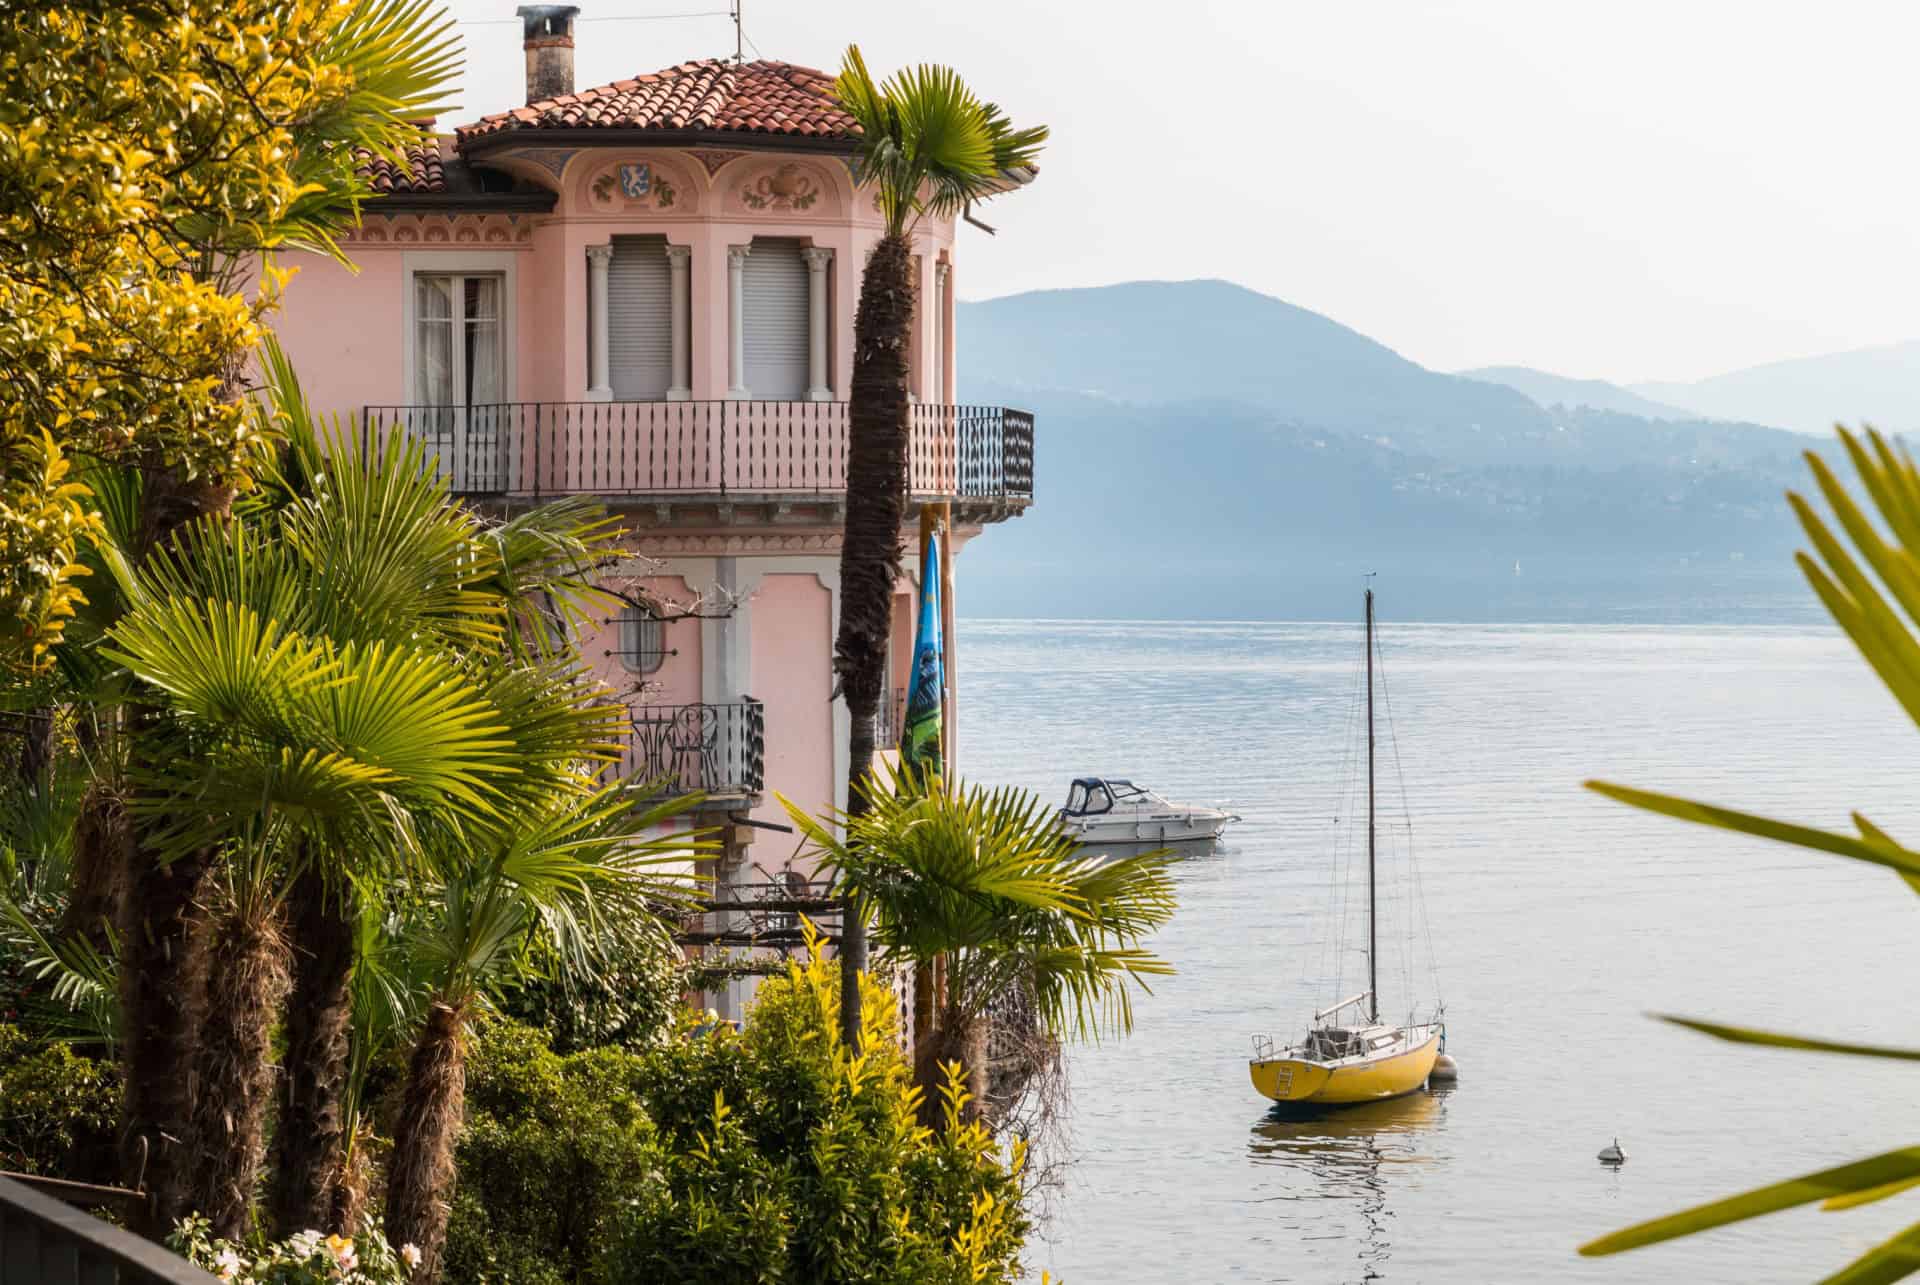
pixel 1169 341
pixel 1558 390
pixel 1880 386
pixel 1207 452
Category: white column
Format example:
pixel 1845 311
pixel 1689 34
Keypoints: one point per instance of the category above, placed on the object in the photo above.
pixel 600 385
pixel 937 356
pixel 679 258
pixel 736 321
pixel 818 261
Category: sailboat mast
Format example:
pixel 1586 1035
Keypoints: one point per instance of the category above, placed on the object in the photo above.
pixel 1373 943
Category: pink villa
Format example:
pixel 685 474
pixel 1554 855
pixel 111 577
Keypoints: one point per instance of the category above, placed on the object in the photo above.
pixel 643 293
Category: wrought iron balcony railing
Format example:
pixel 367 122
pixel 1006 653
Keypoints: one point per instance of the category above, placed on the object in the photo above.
pixel 716 750
pixel 743 448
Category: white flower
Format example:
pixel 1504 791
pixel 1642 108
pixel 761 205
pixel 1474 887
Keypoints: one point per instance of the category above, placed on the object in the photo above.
pixel 304 1243
pixel 229 1264
pixel 410 1255
pixel 345 1256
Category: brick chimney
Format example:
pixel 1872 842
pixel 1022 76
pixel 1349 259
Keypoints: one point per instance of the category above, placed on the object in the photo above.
pixel 549 44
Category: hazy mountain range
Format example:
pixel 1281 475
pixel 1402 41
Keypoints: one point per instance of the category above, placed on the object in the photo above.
pixel 1879 386
pixel 1207 452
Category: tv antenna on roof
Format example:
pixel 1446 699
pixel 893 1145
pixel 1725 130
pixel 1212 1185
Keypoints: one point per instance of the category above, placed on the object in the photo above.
pixel 739 33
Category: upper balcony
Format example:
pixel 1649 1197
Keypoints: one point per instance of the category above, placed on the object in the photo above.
pixel 713 452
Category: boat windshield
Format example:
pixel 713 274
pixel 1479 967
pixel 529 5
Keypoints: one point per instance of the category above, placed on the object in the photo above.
pixel 1087 798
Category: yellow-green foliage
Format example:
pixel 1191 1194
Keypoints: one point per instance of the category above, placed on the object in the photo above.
pixel 148 152
pixel 776 1155
pixel 1872 590
pixel 790 1157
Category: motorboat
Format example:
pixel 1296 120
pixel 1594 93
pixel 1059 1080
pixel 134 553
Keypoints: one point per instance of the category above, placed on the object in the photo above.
pixel 1106 811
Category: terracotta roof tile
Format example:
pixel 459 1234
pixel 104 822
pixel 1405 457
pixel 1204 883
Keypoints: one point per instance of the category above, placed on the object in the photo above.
pixel 709 95
pixel 425 170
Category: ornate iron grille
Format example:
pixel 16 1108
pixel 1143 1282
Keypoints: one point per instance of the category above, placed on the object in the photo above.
pixel 707 749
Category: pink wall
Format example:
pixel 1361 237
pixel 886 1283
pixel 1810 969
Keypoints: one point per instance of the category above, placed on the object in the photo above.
pixel 792 649
pixel 677 681
pixel 346 333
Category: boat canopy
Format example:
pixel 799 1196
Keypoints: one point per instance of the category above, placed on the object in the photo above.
pixel 1092 795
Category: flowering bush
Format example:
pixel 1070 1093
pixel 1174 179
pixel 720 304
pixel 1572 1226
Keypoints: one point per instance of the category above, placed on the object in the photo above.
pixel 306 1259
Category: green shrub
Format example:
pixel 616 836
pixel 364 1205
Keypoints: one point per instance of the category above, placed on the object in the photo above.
pixel 787 1158
pixel 628 1000
pixel 57 1111
pixel 768 1157
pixel 554 1147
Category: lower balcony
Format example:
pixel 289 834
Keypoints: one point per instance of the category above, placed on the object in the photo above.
pixel 715 750
pixel 729 449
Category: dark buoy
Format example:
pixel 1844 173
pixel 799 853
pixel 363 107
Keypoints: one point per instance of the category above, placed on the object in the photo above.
pixel 1613 1155
pixel 1445 1070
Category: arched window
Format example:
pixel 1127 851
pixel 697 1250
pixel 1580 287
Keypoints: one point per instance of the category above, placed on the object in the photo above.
pixel 642 640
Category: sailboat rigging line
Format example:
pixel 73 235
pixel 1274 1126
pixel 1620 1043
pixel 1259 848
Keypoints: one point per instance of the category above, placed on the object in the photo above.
pixel 1406 811
pixel 1333 943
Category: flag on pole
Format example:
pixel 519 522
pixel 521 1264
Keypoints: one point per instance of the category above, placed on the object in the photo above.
pixel 920 729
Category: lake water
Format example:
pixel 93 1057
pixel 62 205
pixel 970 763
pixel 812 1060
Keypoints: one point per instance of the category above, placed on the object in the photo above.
pixel 1558 920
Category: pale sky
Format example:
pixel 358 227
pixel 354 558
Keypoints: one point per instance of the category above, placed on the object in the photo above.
pixel 1630 190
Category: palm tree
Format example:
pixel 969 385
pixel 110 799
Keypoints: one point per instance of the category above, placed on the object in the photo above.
pixel 580 870
pixel 928 146
pixel 988 879
pixel 343 672
pixel 1871 615
pixel 388 62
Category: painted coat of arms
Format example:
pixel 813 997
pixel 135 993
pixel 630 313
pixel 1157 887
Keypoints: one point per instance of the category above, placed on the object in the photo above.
pixel 636 181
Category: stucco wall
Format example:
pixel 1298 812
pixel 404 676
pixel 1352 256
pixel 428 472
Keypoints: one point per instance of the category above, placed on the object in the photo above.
pixel 792 649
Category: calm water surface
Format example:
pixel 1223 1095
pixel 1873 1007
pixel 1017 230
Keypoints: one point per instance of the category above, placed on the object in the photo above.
pixel 1558 920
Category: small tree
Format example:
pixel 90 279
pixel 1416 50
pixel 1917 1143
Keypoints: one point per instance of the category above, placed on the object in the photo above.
pixel 988 879
pixel 1871 615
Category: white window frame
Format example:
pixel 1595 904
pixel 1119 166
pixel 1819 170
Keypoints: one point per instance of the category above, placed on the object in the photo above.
pixel 503 264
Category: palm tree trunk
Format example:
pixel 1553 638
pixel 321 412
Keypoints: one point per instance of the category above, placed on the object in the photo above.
pixel 309 1142
pixel 246 981
pixel 964 1038
pixel 926 1044
pixel 420 1181
pixel 162 929
pixel 162 978
pixel 104 858
pixel 870 551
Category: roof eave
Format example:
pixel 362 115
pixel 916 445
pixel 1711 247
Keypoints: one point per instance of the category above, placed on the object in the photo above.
pixel 604 136
pixel 457 202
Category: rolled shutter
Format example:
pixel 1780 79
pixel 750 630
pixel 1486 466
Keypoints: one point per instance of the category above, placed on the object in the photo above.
pixel 639 319
pixel 776 321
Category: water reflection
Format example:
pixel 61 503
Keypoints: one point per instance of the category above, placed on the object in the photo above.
pixel 1348 1154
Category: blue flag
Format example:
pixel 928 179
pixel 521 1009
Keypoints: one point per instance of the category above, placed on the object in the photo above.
pixel 920 730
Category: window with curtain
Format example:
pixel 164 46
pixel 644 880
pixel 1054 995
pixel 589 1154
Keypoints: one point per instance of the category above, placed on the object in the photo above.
pixel 459 356
pixel 642 644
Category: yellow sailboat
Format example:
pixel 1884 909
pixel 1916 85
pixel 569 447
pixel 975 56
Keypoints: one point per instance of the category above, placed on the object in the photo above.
pixel 1339 1063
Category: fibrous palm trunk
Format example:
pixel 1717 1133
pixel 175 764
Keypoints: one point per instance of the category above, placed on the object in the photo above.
pixel 246 981
pixel 420 1181
pixel 964 1038
pixel 104 855
pixel 310 1141
pixel 162 975
pixel 870 551
pixel 162 927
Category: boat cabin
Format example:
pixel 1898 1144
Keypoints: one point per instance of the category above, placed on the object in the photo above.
pixel 1093 795
pixel 1331 1043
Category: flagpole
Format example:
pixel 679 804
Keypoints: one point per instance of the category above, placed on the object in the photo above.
pixel 928 987
pixel 950 688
